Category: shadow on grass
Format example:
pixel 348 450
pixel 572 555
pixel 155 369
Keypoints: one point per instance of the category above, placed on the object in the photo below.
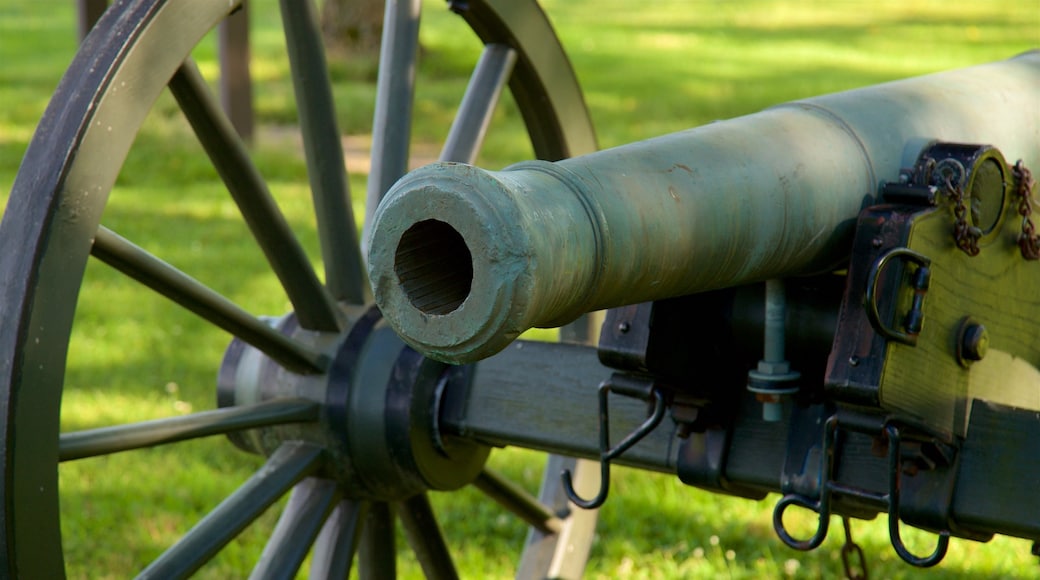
pixel 680 524
pixel 169 202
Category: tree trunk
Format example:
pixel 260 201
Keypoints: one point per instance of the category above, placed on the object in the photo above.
pixel 352 26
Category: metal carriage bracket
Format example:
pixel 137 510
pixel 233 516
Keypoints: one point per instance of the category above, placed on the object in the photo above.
pixel 888 430
pixel 640 388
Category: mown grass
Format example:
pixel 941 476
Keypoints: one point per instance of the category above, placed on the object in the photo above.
pixel 647 69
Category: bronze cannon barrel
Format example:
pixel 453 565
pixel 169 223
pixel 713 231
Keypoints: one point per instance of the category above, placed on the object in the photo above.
pixel 463 260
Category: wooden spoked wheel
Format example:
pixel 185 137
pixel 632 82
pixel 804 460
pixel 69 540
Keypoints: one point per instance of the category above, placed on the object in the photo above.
pixel 300 401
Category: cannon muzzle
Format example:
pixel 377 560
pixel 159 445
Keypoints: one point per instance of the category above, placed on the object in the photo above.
pixel 463 260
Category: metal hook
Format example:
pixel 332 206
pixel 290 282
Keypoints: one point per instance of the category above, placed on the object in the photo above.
pixel 606 454
pixel 893 510
pixel 822 507
pixel 601 497
pixel 828 487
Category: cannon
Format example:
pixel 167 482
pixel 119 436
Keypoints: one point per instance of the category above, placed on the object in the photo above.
pixel 863 186
pixel 464 260
pixel 829 300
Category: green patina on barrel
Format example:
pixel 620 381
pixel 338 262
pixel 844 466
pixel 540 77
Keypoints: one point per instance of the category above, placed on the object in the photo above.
pixel 463 260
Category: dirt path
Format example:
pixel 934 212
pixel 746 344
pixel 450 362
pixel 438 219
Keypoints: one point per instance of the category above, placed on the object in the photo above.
pixel 356 148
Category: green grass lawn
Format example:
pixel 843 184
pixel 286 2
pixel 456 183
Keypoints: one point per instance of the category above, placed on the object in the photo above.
pixel 647 68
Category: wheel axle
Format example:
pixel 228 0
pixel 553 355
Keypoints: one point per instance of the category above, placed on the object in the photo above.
pixel 380 401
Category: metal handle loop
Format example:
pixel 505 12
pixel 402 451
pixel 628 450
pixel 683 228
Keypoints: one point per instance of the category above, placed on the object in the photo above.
pixel 871 299
pixel 894 438
pixel 828 487
pixel 921 562
pixel 821 507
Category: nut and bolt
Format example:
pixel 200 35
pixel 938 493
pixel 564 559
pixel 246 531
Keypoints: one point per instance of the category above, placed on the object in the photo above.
pixel 773 381
pixel 975 342
pixel 972 342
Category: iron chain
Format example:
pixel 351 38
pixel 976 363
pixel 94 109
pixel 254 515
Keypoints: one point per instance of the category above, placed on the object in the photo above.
pixel 1028 240
pixel 857 570
pixel 966 236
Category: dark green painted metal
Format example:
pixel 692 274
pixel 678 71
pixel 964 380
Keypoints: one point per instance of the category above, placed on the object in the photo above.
pixel 395 95
pixel 52 215
pixel 337 543
pixel 149 270
pixel 312 303
pixel 312 500
pixel 425 538
pixel 769 195
pixel 345 275
pixel 376 554
pixel 1000 471
pixel 285 468
pixel 478 104
pixel 517 500
pixel 543 396
pixel 105 440
pixel 390 412
pixel 50 275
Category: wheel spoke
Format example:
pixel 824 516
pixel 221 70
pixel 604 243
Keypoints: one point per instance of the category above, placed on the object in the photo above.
pixel 288 465
pixel 313 304
pixel 97 111
pixel 543 85
pixel 338 542
pixel 519 501
pixel 310 503
pixel 562 554
pixel 170 282
pixel 395 93
pixel 344 271
pixel 106 440
pixel 478 104
pixel 424 535
pixel 376 554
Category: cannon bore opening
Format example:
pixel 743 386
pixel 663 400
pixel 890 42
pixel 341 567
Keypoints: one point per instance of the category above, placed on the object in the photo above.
pixel 434 267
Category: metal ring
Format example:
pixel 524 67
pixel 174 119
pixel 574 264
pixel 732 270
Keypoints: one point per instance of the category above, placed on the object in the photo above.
pixel 817 506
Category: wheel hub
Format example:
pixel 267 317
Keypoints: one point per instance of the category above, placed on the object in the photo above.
pixel 380 404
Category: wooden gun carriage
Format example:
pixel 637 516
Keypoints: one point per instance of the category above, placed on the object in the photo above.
pixel 832 300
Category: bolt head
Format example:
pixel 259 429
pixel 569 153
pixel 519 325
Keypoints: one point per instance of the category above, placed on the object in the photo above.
pixel 974 342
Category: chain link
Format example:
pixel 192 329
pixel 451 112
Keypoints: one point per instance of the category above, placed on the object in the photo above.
pixel 857 570
pixel 1028 240
pixel 966 236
